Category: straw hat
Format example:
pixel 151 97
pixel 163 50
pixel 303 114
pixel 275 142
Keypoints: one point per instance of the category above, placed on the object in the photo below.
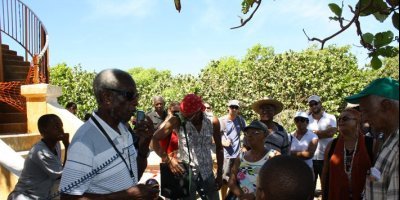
pixel 269 101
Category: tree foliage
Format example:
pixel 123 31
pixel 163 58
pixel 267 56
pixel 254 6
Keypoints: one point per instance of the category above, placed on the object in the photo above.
pixel 76 86
pixel 290 77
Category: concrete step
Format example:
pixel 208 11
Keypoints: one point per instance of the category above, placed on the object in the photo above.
pixel 5 108
pixel 15 68
pixel 21 142
pixel 13 128
pixel 15 62
pixel 13 57
pixel 12 118
pixel 15 75
pixel 5 47
pixel 9 52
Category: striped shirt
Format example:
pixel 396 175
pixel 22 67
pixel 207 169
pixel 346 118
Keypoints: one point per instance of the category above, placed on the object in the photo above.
pixel 93 165
pixel 199 144
pixel 387 188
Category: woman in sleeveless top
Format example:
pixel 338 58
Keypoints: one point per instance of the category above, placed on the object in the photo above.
pixel 243 179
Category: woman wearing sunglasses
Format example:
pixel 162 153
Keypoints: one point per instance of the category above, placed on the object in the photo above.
pixel 346 160
pixel 303 141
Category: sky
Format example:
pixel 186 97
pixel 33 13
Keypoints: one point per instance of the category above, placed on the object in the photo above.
pixel 100 34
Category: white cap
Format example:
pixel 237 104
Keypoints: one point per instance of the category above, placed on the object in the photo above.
pixel 301 114
pixel 233 103
pixel 314 98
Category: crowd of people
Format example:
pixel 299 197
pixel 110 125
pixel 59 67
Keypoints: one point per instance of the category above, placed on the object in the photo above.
pixel 107 157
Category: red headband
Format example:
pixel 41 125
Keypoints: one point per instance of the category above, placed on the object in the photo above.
pixel 191 103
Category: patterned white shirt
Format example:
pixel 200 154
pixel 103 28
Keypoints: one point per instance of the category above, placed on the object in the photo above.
pixel 200 144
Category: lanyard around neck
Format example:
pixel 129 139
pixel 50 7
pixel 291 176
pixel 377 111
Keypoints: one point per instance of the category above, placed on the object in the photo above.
pixel 115 148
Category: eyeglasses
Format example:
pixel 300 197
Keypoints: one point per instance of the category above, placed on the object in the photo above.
pixel 313 104
pixel 252 133
pixel 208 107
pixel 345 119
pixel 300 119
pixel 130 96
pixel 234 107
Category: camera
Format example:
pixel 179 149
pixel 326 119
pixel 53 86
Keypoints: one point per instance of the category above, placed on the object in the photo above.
pixel 140 116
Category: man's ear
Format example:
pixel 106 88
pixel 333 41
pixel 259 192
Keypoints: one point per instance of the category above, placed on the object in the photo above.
pixel 386 105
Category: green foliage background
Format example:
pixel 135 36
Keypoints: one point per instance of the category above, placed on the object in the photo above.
pixel 290 77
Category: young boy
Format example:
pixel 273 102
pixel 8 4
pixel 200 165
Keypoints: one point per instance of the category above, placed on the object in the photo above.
pixel 42 167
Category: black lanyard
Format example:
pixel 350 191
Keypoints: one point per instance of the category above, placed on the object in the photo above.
pixel 115 148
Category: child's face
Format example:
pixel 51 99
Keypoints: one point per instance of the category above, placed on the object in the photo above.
pixel 54 130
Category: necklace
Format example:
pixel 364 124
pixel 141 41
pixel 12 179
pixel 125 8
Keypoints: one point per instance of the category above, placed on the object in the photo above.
pixel 345 160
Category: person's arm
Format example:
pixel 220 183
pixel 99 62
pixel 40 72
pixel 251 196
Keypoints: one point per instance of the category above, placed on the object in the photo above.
pixel 219 151
pixel 166 128
pixel 233 182
pixel 307 154
pixel 325 170
pixel 136 192
pixel 328 133
pixel 65 141
pixel 144 131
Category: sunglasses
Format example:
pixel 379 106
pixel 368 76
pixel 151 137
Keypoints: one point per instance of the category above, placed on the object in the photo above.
pixel 234 107
pixel 345 119
pixel 252 133
pixel 208 107
pixel 130 96
pixel 300 119
pixel 313 104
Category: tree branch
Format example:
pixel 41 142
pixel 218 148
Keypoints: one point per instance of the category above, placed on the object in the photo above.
pixel 343 28
pixel 244 22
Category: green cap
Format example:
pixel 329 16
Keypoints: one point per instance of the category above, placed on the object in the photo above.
pixel 383 87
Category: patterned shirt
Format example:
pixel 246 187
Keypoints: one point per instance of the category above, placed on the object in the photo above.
pixel 199 145
pixel 387 188
pixel 248 173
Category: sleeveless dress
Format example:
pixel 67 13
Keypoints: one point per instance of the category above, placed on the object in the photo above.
pixel 248 173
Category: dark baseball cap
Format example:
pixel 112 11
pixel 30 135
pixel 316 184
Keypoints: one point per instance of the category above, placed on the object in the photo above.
pixel 256 124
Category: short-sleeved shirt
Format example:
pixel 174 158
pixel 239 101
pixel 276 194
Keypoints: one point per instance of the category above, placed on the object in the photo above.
pixel 41 170
pixel 93 165
pixel 387 163
pixel 231 130
pixel 327 120
pixel 278 140
pixel 303 144
pixel 200 144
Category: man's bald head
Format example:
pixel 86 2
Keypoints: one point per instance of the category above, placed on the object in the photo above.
pixel 110 78
pixel 285 178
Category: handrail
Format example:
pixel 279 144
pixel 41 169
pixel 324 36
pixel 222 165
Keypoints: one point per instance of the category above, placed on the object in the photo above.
pixel 20 23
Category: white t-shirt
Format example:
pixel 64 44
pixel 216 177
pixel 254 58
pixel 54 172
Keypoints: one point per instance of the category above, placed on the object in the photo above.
pixel 326 121
pixel 303 144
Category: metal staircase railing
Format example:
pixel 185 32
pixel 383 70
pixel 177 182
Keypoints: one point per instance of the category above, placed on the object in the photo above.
pixel 20 23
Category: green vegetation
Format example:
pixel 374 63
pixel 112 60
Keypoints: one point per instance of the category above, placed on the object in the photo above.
pixel 290 77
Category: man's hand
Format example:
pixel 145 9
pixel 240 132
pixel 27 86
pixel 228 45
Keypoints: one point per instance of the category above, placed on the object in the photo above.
pixel 218 181
pixel 65 139
pixel 143 192
pixel 145 128
pixel 175 167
